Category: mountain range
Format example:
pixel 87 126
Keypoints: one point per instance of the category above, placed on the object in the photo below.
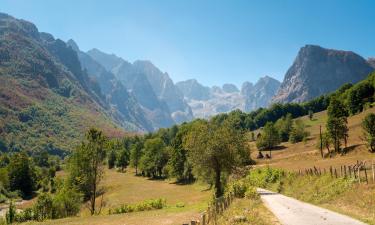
pixel 51 91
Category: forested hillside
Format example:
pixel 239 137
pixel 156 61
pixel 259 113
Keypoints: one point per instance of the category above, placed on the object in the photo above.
pixel 46 100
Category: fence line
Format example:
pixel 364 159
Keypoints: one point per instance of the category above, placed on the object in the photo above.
pixel 362 171
pixel 214 209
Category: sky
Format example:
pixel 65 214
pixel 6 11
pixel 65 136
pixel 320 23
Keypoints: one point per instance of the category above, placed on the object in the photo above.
pixel 213 41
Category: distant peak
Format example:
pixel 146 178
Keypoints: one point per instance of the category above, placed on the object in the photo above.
pixel 267 78
pixel 230 88
pixel 73 45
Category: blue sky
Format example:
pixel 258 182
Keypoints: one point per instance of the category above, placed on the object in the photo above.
pixel 214 41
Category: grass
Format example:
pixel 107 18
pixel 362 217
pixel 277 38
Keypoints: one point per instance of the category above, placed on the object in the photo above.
pixel 251 211
pixel 306 155
pixel 183 202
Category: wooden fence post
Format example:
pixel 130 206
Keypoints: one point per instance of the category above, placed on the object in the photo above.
pixel 359 175
pixel 345 171
pixel 330 171
pixel 373 171
pixel 335 173
pixel 203 218
pixel 366 175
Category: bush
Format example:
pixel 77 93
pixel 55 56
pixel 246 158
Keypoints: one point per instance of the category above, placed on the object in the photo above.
pixel 238 188
pixel 67 202
pixel 251 193
pixel 43 208
pixel 143 206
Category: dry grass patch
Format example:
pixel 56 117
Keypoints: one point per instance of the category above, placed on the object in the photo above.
pixel 247 211
pixel 306 155
pixel 184 202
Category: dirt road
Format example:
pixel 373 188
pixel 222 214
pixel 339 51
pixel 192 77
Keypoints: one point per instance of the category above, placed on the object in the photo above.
pixel 290 211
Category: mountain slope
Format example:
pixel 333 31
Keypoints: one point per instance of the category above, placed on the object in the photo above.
pixel 46 100
pixel 116 94
pixel 138 85
pixel 191 89
pixel 259 95
pixel 371 61
pixel 317 71
pixel 166 91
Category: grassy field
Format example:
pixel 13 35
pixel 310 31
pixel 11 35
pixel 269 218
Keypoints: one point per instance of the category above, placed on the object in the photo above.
pixel 306 155
pixel 184 202
pixel 251 211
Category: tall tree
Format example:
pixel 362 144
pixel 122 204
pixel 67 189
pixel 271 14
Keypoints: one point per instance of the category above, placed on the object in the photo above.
pixel 122 159
pixel 337 123
pixel 368 125
pixel 269 138
pixel 179 166
pixel 22 175
pixel 215 150
pixel 154 158
pixel 136 154
pixel 86 166
pixel 111 157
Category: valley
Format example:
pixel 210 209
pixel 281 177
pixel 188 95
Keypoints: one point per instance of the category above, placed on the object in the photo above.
pixel 98 132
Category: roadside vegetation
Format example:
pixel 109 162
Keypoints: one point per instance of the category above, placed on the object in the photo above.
pixel 339 194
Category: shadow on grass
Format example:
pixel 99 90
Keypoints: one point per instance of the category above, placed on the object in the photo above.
pixel 351 148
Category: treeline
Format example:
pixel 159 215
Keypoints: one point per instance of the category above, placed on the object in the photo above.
pixel 355 98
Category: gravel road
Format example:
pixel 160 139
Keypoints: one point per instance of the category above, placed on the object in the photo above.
pixel 290 211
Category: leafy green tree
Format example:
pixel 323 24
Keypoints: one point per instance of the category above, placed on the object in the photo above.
pixel 337 123
pixel 179 166
pixel 4 160
pixel 284 127
pixel 154 158
pixel 22 175
pixel 358 95
pixel 311 114
pixel 326 142
pixel 4 178
pixel 136 154
pixel 368 126
pixel 86 166
pixel 111 157
pixel 215 151
pixel 122 159
pixel 269 138
pixel 298 132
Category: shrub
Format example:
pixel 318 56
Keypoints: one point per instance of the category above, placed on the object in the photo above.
pixel 251 193
pixel 143 206
pixel 67 202
pixel 238 188
pixel 43 208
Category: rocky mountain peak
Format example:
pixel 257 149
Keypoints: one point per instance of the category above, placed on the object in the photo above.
pixel 318 71
pixel 371 61
pixel 230 88
pixel 73 45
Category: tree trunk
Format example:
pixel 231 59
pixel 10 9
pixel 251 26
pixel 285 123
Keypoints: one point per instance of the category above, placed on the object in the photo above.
pixel 218 189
